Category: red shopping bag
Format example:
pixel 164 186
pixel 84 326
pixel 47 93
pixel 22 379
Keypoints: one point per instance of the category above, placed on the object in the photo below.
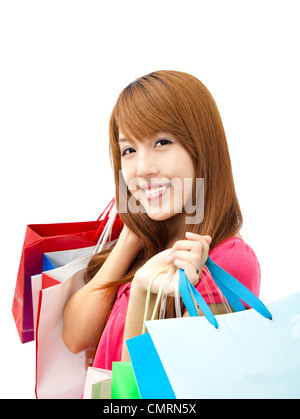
pixel 42 238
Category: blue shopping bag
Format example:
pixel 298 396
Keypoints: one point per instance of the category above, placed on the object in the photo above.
pixel 251 353
pixel 47 264
pixel 151 378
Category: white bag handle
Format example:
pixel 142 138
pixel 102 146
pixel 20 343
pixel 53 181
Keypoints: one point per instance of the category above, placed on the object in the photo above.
pixel 107 230
pixel 162 293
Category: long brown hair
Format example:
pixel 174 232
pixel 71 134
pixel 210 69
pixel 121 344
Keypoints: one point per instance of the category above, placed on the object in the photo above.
pixel 178 103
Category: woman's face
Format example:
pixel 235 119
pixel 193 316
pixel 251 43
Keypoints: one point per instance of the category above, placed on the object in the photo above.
pixel 159 173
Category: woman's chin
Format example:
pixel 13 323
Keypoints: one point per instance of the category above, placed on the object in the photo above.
pixel 159 216
pixel 159 211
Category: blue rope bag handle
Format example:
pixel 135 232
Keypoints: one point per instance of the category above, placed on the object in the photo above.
pixel 231 288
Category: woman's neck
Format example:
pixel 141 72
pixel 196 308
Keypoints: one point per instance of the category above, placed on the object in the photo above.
pixel 176 229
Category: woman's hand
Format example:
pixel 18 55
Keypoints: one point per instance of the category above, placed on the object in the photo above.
pixel 143 276
pixel 189 255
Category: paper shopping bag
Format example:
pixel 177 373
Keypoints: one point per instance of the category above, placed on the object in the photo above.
pixel 251 353
pixel 101 390
pixel 247 357
pixel 123 382
pixel 152 380
pixel 42 238
pixel 53 260
pixel 92 386
pixel 59 373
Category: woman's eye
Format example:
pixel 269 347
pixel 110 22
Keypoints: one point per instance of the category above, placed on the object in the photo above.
pixel 125 151
pixel 164 140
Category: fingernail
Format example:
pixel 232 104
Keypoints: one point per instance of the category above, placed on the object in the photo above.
pixel 189 234
pixel 209 238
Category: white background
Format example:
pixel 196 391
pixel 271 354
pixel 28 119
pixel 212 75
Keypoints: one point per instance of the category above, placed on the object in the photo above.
pixel 63 64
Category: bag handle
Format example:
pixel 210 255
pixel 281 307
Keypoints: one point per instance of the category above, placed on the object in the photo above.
pixel 103 222
pixel 162 293
pixel 109 221
pixel 233 290
pixel 108 207
pixel 164 296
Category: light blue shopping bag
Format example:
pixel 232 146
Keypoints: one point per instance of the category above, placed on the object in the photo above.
pixel 251 353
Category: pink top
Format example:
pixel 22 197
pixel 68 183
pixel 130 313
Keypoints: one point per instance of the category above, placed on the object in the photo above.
pixel 233 255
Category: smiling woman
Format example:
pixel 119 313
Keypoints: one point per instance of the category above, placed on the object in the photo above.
pixel 178 107
pixel 165 136
pixel 156 173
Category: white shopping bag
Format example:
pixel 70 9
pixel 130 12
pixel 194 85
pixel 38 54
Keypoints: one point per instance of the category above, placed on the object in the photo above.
pixel 251 353
pixel 57 260
pixel 59 373
pixel 95 376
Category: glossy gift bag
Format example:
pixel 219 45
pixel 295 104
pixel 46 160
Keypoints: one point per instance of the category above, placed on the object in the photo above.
pixel 39 239
pixel 251 353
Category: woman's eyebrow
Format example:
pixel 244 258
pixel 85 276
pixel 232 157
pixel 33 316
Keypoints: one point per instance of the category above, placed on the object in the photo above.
pixel 123 140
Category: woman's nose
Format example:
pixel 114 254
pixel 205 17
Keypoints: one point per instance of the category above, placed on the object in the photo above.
pixel 147 167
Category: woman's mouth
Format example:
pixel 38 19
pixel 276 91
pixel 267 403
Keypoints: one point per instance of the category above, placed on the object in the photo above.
pixel 155 192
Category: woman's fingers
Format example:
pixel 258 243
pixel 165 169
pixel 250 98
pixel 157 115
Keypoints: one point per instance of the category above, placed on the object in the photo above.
pixel 184 255
pixel 194 250
pixel 192 275
pixel 190 255
pixel 197 237
pixel 189 261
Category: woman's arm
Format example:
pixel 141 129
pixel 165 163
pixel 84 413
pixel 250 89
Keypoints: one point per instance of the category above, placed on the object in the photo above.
pixel 135 313
pixel 86 312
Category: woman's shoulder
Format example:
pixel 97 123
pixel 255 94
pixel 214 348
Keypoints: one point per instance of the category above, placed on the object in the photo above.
pixel 234 244
pixel 236 257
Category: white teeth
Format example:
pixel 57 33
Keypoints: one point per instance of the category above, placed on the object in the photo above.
pixel 155 190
